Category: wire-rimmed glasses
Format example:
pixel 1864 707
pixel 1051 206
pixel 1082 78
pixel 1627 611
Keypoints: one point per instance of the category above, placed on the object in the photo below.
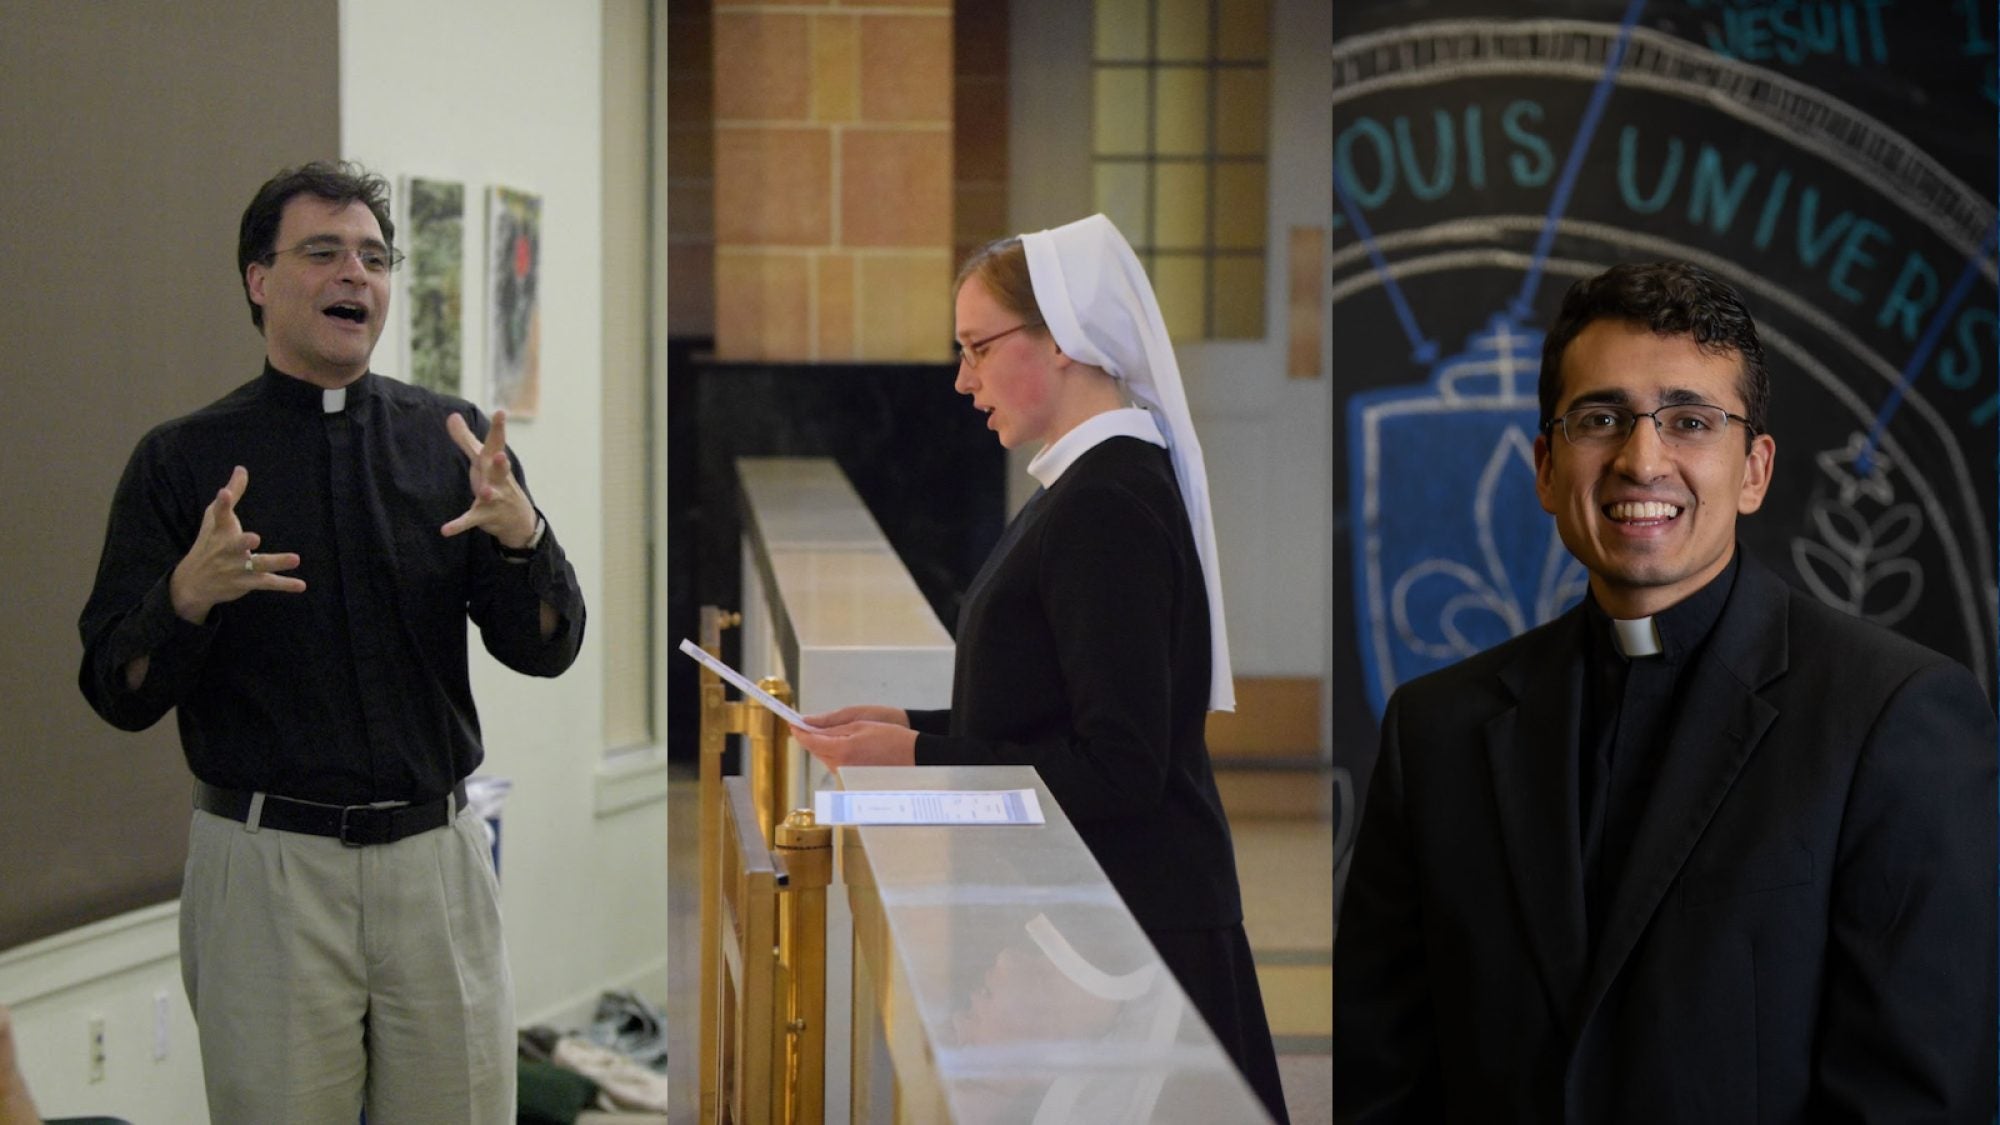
pixel 373 256
pixel 1683 423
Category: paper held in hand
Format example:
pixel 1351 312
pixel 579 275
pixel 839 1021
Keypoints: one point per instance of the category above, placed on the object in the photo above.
pixel 928 806
pixel 766 699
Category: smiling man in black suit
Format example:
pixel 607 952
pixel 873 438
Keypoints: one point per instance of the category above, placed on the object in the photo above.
pixel 1700 850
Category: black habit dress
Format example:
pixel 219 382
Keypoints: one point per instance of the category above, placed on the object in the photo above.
pixel 1083 651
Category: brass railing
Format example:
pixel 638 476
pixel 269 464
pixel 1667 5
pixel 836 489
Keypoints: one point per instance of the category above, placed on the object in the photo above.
pixel 749 1031
pixel 806 849
pixel 763 918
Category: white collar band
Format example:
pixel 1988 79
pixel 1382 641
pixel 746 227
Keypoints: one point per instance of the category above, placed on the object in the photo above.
pixel 1048 465
pixel 1636 637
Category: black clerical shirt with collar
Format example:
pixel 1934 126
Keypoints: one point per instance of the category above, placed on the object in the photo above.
pixel 1630 707
pixel 356 690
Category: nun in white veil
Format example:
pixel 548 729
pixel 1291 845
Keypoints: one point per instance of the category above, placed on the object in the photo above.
pixel 1091 645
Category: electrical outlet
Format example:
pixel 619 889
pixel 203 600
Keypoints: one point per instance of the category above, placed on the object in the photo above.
pixel 160 1023
pixel 97 1049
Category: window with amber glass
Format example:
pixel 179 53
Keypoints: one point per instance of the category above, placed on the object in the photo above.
pixel 1178 151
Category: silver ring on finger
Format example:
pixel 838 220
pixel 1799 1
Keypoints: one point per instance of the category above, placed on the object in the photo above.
pixel 249 563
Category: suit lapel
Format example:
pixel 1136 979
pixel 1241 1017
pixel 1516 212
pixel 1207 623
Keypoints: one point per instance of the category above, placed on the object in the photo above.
pixel 1719 724
pixel 1531 751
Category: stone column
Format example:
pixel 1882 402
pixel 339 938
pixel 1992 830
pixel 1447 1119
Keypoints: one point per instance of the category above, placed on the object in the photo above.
pixel 833 180
pixel 979 143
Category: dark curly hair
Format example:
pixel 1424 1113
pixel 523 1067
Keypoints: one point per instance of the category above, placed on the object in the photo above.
pixel 336 182
pixel 1671 299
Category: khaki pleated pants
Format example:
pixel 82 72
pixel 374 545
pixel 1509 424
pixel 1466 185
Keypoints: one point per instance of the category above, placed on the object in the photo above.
pixel 326 978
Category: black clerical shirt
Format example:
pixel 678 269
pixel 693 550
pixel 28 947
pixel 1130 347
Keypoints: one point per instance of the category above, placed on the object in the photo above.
pixel 357 689
pixel 1630 706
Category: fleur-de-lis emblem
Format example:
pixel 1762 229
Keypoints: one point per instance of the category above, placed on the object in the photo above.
pixel 1446 609
pixel 1454 553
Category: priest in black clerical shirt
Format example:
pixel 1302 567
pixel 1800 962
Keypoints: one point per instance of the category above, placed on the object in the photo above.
pixel 291 569
pixel 1702 849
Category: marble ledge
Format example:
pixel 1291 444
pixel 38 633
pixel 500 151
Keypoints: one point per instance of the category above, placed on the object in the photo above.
pixel 806 502
pixel 850 599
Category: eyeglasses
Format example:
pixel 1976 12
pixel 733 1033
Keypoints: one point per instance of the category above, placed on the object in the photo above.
pixel 374 257
pixel 971 354
pixel 1691 424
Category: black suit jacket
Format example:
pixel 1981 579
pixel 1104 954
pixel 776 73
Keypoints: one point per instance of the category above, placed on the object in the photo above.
pixel 1805 930
pixel 1082 650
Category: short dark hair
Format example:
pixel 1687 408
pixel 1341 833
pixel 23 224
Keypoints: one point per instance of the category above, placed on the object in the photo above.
pixel 1672 299
pixel 337 182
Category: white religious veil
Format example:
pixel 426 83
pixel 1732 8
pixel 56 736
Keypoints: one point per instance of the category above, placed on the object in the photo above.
pixel 1100 308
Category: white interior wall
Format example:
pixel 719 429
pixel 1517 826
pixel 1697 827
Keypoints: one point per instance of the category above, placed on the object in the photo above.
pixel 509 93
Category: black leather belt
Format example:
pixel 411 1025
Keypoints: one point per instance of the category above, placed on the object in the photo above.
pixel 353 825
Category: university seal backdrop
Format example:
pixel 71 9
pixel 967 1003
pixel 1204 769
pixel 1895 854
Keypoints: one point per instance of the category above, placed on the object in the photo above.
pixel 1835 161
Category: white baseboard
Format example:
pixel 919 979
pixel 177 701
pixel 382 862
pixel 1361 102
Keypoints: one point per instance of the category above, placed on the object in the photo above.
pixel 133 940
pixel 150 936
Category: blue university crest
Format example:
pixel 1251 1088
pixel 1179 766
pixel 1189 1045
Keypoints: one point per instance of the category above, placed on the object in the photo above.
pixel 1453 553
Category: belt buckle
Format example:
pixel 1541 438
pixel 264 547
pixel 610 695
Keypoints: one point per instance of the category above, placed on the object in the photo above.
pixel 345 841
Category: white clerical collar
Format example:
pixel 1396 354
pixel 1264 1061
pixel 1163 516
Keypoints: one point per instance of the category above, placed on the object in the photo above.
pixel 333 401
pixel 1058 455
pixel 1637 637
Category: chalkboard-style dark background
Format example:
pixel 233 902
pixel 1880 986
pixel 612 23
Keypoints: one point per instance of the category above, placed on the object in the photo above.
pixel 1833 159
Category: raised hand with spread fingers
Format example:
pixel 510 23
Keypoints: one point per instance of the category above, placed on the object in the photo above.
pixel 499 506
pixel 224 564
